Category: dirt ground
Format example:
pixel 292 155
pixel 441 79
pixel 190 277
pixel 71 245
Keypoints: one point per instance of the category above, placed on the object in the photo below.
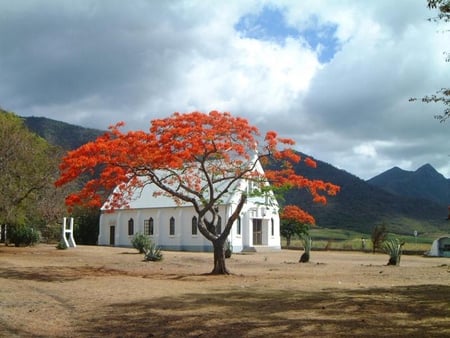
pixel 94 291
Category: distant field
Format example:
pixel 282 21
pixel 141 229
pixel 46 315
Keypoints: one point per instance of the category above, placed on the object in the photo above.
pixel 339 239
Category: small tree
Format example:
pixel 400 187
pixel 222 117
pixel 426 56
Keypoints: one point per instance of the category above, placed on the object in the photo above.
pixel 28 168
pixel 194 158
pixel 294 222
pixel 379 234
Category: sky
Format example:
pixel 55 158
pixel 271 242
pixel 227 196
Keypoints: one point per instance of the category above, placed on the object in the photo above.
pixel 336 75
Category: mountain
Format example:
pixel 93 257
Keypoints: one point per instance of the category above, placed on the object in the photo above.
pixel 425 183
pixel 62 134
pixel 359 206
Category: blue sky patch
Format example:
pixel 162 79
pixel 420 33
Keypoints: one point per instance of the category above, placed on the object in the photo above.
pixel 270 25
pixel 267 25
pixel 323 35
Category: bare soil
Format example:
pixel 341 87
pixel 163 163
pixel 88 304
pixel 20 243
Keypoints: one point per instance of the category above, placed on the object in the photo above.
pixel 92 291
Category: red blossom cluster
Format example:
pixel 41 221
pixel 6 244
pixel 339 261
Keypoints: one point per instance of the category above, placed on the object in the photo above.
pixel 296 214
pixel 172 154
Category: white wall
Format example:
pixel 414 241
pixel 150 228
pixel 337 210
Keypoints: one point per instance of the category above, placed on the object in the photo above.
pixel 183 238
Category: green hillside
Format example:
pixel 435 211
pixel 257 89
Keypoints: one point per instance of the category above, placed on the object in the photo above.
pixel 360 206
pixel 65 135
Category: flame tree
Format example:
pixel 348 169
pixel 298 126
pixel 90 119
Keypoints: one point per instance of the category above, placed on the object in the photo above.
pixel 295 221
pixel 195 158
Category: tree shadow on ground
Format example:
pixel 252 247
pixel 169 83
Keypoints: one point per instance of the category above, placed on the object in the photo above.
pixel 57 273
pixel 419 310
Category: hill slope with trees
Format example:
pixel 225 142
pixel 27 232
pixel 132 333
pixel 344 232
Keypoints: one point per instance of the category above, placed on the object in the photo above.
pixel 64 135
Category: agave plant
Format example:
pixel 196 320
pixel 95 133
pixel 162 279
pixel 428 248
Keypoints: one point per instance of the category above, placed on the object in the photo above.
pixel 393 247
pixel 307 242
pixel 228 249
pixel 153 253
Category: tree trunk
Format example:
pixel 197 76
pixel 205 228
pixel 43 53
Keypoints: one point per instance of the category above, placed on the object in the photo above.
pixel 219 258
pixel 288 241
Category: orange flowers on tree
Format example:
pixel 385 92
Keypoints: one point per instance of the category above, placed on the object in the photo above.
pixel 294 221
pixel 196 158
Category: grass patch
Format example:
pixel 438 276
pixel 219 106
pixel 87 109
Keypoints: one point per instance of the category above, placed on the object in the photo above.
pixel 341 239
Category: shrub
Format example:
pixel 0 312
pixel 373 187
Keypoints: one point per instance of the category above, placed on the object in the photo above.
pixel 153 253
pixel 23 235
pixel 141 242
pixel 61 245
pixel 393 247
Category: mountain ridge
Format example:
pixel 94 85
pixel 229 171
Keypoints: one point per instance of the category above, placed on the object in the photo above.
pixel 360 205
pixel 67 136
pixel 425 182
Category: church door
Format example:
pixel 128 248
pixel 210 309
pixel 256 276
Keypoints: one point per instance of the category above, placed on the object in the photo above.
pixel 257 231
pixel 112 235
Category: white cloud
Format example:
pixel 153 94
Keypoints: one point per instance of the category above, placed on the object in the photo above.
pixel 366 150
pixel 250 76
pixel 94 63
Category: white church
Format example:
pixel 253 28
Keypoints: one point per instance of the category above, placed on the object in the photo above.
pixel 174 227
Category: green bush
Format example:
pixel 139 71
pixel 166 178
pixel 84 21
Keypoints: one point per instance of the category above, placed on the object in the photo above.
pixel 61 245
pixel 153 253
pixel 23 235
pixel 141 242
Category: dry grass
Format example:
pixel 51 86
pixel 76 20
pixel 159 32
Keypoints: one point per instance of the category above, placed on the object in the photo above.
pixel 102 291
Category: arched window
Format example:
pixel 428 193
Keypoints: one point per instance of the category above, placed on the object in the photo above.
pixel 238 226
pixel 272 227
pixel 172 226
pixel 148 227
pixel 151 227
pixel 194 225
pixel 130 227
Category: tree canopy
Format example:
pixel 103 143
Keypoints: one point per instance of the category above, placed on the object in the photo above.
pixel 444 9
pixel 195 158
pixel 442 96
pixel 28 167
pixel 295 222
